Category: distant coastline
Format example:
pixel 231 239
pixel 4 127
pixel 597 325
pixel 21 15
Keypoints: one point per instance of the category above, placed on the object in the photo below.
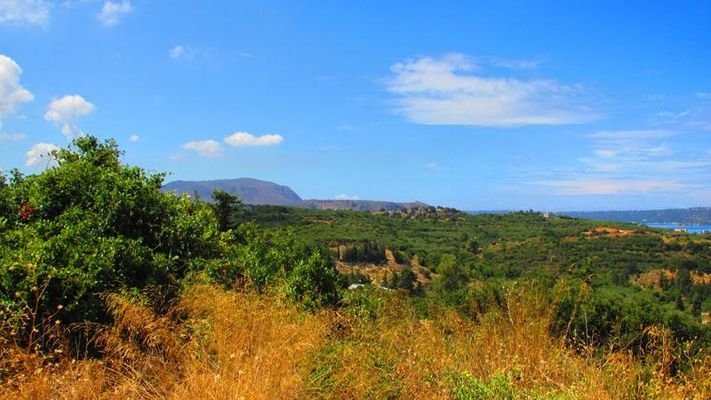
pixel 683 227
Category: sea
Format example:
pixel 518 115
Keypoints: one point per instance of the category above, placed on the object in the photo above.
pixel 687 228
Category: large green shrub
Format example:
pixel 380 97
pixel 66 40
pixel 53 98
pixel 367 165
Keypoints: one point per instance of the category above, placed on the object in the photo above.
pixel 88 226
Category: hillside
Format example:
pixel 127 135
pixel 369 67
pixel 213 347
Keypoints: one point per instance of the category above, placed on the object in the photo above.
pixel 520 245
pixel 683 216
pixel 251 191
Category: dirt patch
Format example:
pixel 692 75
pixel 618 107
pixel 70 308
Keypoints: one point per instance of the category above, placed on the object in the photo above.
pixel 377 272
pixel 653 278
pixel 610 232
pixel 317 220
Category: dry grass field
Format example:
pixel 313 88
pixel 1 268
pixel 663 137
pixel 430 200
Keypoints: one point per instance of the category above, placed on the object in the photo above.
pixel 217 344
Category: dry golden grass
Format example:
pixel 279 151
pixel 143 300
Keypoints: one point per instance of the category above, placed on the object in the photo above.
pixel 613 232
pixel 245 346
pixel 231 345
pixel 400 356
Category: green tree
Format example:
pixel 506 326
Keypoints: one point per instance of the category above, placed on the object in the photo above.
pixel 452 275
pixel 406 280
pixel 683 281
pixel 227 209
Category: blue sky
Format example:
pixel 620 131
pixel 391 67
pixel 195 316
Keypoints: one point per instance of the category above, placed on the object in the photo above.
pixel 512 105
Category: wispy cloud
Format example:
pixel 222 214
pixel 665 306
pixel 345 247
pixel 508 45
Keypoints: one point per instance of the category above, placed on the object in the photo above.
pixel 346 197
pixel 686 113
pixel 586 187
pixel 433 165
pixel 12 94
pixel 451 90
pixel 436 166
pixel 65 111
pixel 12 137
pixel 241 139
pixel 181 51
pixel 510 63
pixel 111 12
pixel 32 12
pixel 134 138
pixel 630 162
pixel 188 52
pixel 631 136
pixel 205 148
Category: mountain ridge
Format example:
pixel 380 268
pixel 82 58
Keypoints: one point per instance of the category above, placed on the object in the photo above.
pixel 259 192
pixel 249 190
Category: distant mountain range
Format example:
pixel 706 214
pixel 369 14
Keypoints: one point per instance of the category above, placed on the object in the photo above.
pixel 251 191
pixel 682 216
pixel 255 191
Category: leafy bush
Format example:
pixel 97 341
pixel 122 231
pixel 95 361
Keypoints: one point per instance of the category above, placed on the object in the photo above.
pixel 263 259
pixel 617 318
pixel 313 281
pixel 498 387
pixel 88 226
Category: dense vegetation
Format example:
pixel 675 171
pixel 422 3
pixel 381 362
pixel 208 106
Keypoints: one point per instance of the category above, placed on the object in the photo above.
pixel 92 226
pixel 602 266
pixel 607 295
pixel 176 296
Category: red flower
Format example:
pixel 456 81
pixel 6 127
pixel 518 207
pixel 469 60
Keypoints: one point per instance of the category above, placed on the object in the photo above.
pixel 26 211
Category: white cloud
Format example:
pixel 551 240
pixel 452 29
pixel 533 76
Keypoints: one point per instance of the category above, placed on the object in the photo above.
pixel 628 150
pixel 605 153
pixel 34 12
pixel 111 12
pixel 205 148
pixel 446 91
pixel 346 197
pixel 239 139
pixel 701 124
pixel 39 155
pixel 134 138
pixel 632 162
pixel 12 94
pixel 587 187
pixel 672 116
pixel 632 135
pixel 12 137
pixel 65 111
pixel 434 166
pixel 181 51
pixel 511 63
